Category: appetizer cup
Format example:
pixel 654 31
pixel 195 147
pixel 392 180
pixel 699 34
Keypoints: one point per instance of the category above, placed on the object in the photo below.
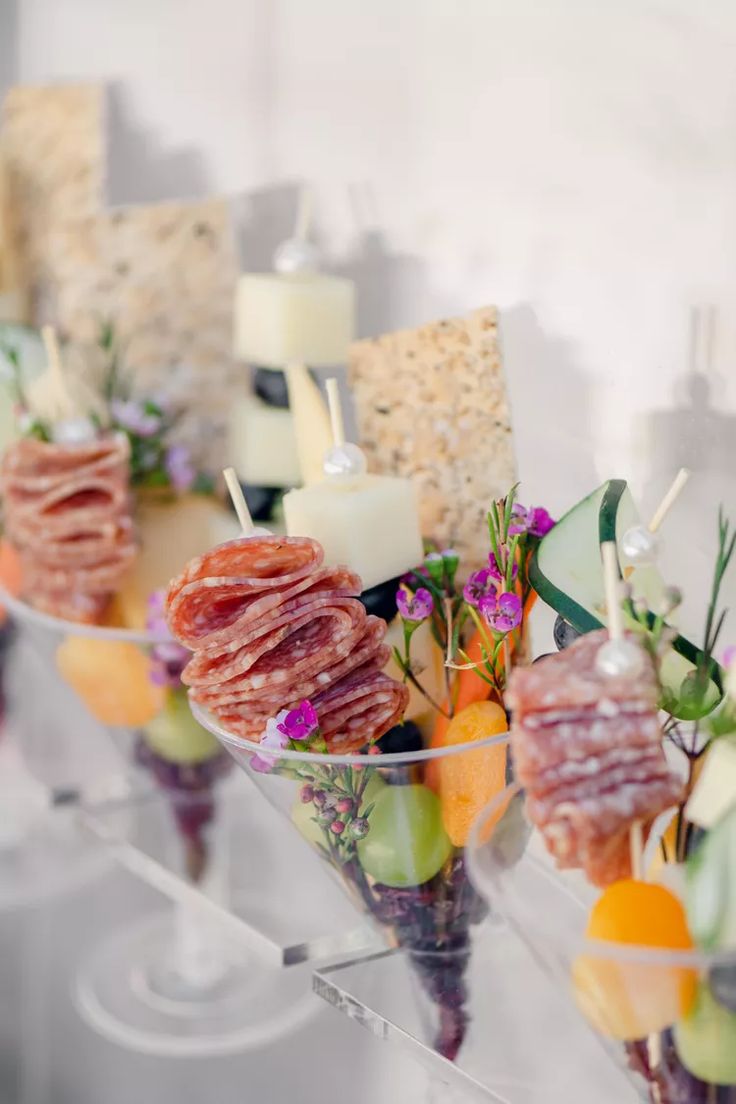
pixel 666 1016
pixel 393 828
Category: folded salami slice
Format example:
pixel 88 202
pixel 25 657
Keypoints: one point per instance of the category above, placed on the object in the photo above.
pixel 588 750
pixel 269 699
pixel 240 580
pixel 370 704
pixel 360 708
pixel 269 626
pixel 35 465
pixel 67 512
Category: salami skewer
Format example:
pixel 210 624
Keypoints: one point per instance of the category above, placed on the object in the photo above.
pixel 588 749
pixel 67 512
pixel 269 626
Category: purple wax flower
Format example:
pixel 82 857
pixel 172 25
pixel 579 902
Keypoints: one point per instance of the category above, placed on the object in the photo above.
pixel 274 738
pixel 417 607
pixel 729 656
pixel 179 467
pixel 301 723
pixel 478 585
pixel 501 611
pixel 519 520
pixel 132 416
pixel 539 521
pixel 168 658
pixel 495 570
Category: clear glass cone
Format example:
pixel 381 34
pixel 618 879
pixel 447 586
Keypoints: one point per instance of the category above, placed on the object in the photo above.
pixel 393 829
pixel 618 988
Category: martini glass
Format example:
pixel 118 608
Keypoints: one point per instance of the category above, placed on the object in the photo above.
pixel 620 989
pixel 181 982
pixel 392 828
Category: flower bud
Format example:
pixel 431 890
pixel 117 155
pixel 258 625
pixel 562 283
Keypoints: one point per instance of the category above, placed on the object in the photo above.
pixel 359 828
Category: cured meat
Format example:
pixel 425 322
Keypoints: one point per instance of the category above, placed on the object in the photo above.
pixel 67 512
pixel 588 750
pixel 238 581
pixel 270 626
pixel 270 698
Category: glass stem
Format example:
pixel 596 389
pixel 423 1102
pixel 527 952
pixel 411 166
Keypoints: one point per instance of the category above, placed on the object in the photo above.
pixel 199 953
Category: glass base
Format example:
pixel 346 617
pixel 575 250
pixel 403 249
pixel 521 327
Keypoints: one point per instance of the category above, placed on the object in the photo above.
pixel 131 992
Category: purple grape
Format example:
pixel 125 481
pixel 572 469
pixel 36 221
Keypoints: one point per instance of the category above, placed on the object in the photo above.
pixel 670 1082
pixel 189 787
pixel 564 634
pixel 431 922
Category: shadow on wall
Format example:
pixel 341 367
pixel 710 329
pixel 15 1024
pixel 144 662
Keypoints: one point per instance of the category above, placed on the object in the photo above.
pixel 263 220
pixel 694 433
pixel 8 44
pixel 139 169
pixel 392 288
pixel 551 411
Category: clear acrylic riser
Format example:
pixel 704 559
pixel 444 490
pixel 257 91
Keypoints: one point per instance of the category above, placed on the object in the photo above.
pixel 525 1043
pixel 225 966
pixel 279 900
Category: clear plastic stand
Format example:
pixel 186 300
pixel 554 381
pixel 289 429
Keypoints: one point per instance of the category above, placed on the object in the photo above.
pixel 206 976
pixel 525 1043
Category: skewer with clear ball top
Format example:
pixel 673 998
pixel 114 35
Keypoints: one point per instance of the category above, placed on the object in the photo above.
pixel 640 544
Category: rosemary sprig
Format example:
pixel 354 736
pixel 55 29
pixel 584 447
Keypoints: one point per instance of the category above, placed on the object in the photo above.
pixel 714 620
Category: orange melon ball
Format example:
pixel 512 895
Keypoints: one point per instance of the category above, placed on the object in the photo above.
pixel 629 999
pixel 11 574
pixel 11 571
pixel 112 678
pixel 469 780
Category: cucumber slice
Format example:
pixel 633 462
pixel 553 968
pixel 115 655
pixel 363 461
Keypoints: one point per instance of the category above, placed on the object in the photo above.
pixel 710 898
pixel 566 573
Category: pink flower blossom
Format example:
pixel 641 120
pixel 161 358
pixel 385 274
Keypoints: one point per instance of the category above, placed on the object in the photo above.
pixel 539 521
pixel 274 738
pixel 301 723
pixel 478 585
pixel 501 611
pixel 417 607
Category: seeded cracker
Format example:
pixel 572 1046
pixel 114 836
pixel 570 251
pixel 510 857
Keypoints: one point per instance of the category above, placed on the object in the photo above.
pixel 431 404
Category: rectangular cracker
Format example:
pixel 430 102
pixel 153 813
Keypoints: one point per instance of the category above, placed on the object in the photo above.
pixel 431 404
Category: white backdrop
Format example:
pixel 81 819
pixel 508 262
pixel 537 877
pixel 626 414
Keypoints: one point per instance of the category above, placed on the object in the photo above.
pixel 573 161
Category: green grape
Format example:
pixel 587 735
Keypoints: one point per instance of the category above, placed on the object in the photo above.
pixel 176 736
pixel 406 842
pixel 706 1040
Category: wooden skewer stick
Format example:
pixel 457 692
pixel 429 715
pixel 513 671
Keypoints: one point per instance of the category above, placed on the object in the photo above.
pixel 336 418
pixel 616 632
pixel 238 500
pixel 53 356
pixel 636 848
pixel 669 500
pixel 613 590
pixel 304 213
